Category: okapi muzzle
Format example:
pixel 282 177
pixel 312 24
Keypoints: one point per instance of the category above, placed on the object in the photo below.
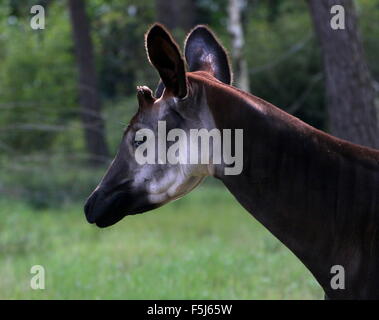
pixel 115 197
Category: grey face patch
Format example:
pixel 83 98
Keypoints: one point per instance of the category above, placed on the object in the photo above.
pixel 165 182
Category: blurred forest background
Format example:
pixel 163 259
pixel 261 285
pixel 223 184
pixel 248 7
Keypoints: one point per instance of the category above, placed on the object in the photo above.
pixel 68 91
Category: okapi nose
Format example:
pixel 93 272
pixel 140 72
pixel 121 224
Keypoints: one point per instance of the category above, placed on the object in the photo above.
pixel 89 206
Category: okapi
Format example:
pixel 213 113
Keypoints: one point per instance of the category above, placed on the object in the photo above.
pixel 319 195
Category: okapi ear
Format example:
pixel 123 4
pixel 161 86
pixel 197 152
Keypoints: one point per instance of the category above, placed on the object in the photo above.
pixel 204 52
pixel 165 56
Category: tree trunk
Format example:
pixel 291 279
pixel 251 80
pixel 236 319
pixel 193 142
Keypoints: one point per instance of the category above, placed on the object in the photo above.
pixel 176 13
pixel 241 72
pixel 349 86
pixel 90 101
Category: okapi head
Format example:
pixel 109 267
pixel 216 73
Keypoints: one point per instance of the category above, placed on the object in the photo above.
pixel 129 187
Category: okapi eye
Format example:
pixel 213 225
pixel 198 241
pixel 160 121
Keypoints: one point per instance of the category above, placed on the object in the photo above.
pixel 137 143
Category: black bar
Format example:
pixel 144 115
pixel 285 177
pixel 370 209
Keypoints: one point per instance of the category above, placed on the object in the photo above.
pixel 189 309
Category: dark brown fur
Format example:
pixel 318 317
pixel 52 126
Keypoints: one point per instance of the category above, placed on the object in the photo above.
pixel 318 194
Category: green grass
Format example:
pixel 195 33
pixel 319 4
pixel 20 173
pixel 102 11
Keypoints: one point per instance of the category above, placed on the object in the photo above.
pixel 204 246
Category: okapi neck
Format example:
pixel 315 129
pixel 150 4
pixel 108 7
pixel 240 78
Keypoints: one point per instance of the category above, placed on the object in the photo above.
pixel 309 189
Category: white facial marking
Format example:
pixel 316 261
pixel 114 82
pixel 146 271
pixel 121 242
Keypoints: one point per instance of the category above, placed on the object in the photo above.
pixel 165 181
